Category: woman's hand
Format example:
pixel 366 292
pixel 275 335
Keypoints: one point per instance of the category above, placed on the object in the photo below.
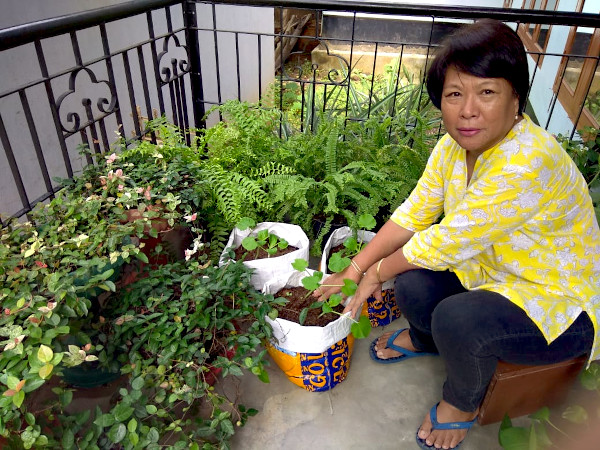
pixel 333 284
pixel 368 286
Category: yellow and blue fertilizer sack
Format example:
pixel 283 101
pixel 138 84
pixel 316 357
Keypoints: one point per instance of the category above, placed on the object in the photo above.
pixel 315 372
pixel 314 358
pixel 382 311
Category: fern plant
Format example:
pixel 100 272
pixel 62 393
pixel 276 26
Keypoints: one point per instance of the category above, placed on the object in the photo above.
pixel 244 139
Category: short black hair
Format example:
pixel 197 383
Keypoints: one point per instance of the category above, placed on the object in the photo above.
pixel 487 49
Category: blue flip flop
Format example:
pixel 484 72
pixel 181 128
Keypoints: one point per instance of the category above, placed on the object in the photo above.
pixel 406 354
pixel 435 425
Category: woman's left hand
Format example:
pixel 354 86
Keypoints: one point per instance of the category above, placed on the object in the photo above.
pixel 368 286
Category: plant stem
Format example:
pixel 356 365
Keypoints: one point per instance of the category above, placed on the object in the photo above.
pixel 560 431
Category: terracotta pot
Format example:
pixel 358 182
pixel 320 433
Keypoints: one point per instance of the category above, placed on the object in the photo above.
pixel 174 240
pixel 214 372
pixel 158 223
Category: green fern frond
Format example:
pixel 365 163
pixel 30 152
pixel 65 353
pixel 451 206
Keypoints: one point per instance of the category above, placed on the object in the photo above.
pixel 272 168
pixel 331 151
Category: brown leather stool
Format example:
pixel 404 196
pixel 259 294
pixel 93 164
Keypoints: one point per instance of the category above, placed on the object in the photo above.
pixel 517 390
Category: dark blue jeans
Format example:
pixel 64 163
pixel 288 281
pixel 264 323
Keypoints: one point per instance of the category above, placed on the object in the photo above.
pixel 472 330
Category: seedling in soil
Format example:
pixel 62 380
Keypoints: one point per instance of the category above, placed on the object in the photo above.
pixel 361 328
pixel 338 261
pixel 264 240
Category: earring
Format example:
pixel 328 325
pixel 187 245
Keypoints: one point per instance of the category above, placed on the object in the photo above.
pixel 516 117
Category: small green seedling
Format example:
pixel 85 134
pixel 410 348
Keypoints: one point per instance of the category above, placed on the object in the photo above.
pixel 352 245
pixel 536 436
pixel 360 329
pixel 269 242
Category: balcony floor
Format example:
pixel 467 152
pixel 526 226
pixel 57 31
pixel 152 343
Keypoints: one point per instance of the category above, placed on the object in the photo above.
pixel 377 406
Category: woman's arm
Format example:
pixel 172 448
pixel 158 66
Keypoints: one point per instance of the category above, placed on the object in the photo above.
pixel 390 238
pixel 383 270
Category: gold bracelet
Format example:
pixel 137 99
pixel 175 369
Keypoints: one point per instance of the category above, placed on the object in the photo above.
pixel 377 271
pixel 357 268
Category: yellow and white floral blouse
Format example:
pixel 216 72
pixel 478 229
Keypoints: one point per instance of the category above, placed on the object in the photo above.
pixel 523 227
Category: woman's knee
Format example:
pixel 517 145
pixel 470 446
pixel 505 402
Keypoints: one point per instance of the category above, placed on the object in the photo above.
pixel 421 288
pixel 452 318
pixel 470 318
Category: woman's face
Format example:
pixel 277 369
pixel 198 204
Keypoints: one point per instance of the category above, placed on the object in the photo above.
pixel 477 112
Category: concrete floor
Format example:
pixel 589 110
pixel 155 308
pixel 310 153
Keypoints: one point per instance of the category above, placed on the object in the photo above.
pixel 377 406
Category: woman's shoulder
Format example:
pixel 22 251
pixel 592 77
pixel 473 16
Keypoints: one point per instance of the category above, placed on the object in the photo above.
pixel 527 132
pixel 446 144
pixel 529 142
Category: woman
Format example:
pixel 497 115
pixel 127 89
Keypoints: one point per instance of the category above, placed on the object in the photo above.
pixel 512 271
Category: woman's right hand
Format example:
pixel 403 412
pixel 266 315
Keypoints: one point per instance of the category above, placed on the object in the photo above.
pixel 334 283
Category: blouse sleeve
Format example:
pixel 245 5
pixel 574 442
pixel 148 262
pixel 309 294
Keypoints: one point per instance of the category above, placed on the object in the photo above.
pixel 500 202
pixel 426 202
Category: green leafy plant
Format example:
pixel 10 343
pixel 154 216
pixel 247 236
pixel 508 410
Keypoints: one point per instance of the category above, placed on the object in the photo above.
pixel 52 272
pixel 353 95
pixel 342 192
pixel 543 432
pixel 360 329
pixel 339 261
pixel 175 331
pixel 263 239
pixel 586 155
pixel 65 304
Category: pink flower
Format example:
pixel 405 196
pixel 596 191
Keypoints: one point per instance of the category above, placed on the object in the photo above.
pixel 190 218
pixel 103 181
pixel 111 159
pixel 146 192
pixel 121 187
pixel 119 173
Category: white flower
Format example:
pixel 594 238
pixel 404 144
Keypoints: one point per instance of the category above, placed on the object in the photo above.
pixel 188 254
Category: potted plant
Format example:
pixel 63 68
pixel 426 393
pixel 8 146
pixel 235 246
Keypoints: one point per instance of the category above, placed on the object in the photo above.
pixel 313 355
pixel 52 270
pixel 345 243
pixel 79 245
pixel 275 246
pixel 176 332
pixel 586 155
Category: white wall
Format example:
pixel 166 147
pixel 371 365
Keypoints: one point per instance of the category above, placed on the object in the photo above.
pixel 482 3
pixel 19 66
pixel 542 94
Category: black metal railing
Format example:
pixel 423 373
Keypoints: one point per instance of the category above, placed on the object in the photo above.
pixel 120 65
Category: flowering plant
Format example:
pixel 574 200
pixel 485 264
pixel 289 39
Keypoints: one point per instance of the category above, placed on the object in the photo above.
pixel 52 272
pixel 65 304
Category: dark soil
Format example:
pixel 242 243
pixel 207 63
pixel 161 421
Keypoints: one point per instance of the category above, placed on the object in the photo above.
pixel 241 254
pixel 299 298
pixel 338 248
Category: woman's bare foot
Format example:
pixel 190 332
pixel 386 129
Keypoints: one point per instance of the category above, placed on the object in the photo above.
pixel 403 340
pixel 445 439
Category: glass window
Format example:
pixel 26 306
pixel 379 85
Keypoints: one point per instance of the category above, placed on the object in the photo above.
pixel 592 101
pixel 578 79
pixel 536 36
pixel 581 44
